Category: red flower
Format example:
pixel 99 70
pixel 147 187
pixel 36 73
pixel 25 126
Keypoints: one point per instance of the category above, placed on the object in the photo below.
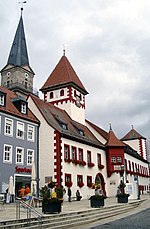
pixel 91 164
pixel 75 161
pixel 101 166
pixel 89 185
pixel 68 183
pixel 68 160
pixel 83 163
pixel 80 184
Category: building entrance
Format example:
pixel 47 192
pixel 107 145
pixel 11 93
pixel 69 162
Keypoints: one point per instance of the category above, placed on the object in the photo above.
pixel 21 181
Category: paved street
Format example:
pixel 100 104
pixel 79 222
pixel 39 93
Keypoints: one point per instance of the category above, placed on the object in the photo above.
pixel 136 221
pixel 108 222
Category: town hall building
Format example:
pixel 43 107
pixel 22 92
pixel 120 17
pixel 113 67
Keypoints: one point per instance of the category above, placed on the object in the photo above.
pixel 70 149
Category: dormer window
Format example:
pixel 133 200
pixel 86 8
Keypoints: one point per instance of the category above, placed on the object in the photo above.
pixel 2 99
pixel 62 92
pixel 81 132
pixel 63 124
pixel 78 129
pixel 23 108
pixel 51 95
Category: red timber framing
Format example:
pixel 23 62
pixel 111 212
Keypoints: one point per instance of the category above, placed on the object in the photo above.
pixel 57 157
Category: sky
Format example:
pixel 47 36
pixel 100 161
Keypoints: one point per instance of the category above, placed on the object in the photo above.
pixel 106 41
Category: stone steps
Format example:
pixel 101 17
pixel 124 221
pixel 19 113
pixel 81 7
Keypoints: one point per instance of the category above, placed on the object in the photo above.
pixel 71 219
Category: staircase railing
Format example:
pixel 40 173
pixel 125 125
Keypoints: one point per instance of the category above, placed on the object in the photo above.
pixel 29 209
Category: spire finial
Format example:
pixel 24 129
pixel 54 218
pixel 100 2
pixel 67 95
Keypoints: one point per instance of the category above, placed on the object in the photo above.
pixel 132 127
pixel 64 50
pixel 22 2
pixel 110 126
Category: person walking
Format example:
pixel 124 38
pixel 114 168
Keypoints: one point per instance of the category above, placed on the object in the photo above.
pixel 69 194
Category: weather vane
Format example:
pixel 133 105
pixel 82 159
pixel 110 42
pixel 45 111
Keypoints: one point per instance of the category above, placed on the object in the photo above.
pixel 22 2
pixel 64 50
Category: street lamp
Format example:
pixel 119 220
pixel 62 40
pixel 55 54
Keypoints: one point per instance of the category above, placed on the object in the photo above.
pixel 122 172
pixel 138 196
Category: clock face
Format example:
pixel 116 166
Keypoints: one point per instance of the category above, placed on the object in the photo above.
pixel 78 104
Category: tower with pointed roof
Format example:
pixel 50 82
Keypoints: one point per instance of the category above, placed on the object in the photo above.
pixel 114 153
pixel 137 142
pixel 64 89
pixel 17 75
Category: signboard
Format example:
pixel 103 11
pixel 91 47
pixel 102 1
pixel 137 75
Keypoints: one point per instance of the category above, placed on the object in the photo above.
pixel 117 167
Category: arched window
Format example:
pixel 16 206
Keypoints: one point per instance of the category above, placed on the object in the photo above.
pixel 62 92
pixel 51 95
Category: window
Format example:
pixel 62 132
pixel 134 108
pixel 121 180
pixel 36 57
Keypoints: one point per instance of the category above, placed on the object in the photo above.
pixel 30 133
pixel 88 156
pixel 20 130
pixel 2 99
pixel 80 154
pixel 8 127
pixel 74 153
pixel 62 92
pixel 23 108
pixel 81 132
pixel 89 181
pixel 68 181
pixel 66 152
pixel 80 181
pixel 30 156
pixel 51 95
pixel 62 123
pixel 99 159
pixel 19 155
pixel 113 159
pixel 119 159
pixel 7 157
pixel 64 126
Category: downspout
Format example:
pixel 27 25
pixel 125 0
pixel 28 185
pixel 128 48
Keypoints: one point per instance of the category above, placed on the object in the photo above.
pixel 38 179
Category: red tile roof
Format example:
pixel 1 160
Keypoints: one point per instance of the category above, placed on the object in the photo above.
pixel 12 110
pixel 132 134
pixel 98 129
pixel 62 74
pixel 53 115
pixel 113 140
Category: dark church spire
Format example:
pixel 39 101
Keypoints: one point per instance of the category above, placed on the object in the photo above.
pixel 18 54
pixel 17 75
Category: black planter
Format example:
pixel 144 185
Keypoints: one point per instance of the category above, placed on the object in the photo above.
pixel 122 199
pixel 51 207
pixel 96 203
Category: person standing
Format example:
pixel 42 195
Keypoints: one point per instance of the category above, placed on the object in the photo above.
pixel 78 196
pixel 69 194
pixel 27 190
pixel 22 192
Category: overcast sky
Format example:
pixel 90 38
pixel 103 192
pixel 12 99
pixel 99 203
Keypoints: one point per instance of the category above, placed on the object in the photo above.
pixel 106 41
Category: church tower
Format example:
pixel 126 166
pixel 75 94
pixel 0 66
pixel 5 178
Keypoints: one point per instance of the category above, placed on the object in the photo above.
pixel 17 75
pixel 64 89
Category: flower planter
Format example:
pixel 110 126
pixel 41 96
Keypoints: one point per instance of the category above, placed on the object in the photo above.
pixel 96 203
pixel 122 198
pixel 51 207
